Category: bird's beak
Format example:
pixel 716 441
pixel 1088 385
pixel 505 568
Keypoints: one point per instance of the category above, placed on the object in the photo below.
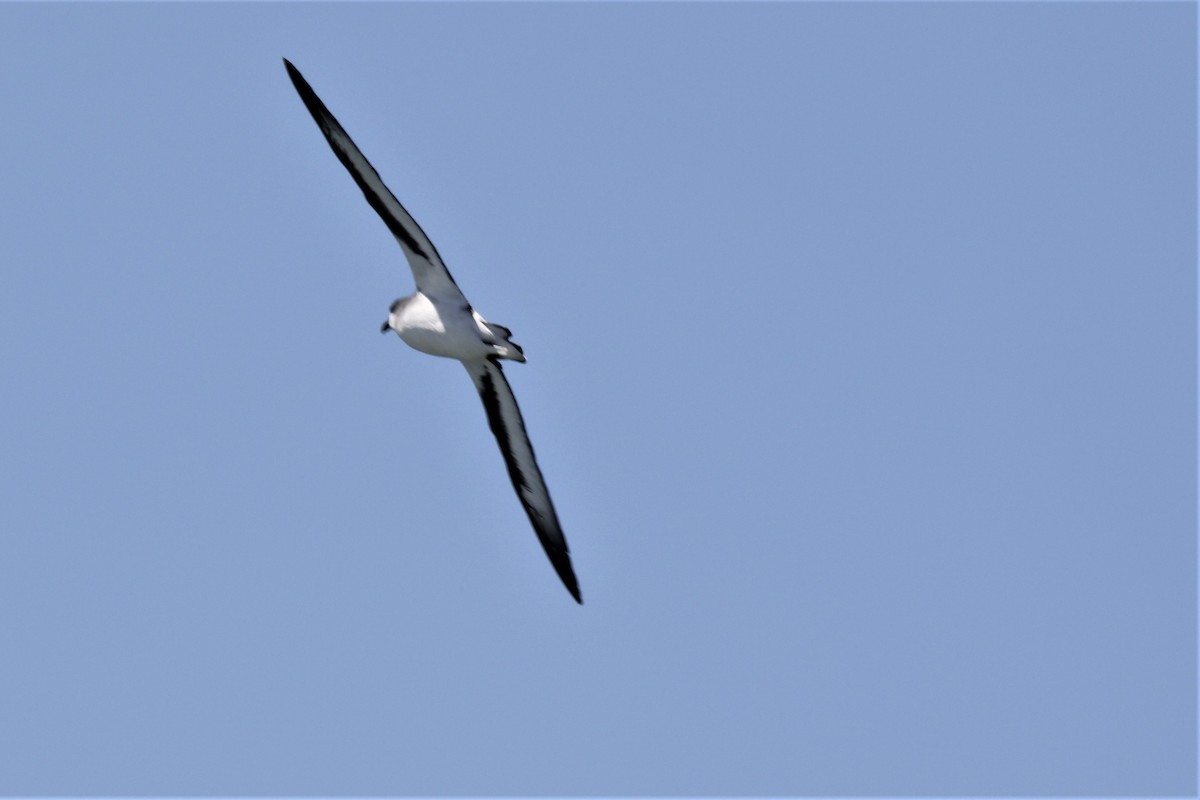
pixel 384 327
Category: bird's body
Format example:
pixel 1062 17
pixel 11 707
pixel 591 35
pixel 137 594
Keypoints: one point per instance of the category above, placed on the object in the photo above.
pixel 448 328
pixel 437 319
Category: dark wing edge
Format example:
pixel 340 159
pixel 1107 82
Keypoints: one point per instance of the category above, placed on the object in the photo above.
pixel 508 426
pixel 427 265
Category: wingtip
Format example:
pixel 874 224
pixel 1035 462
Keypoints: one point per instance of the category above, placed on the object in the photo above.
pixel 562 565
pixel 560 559
pixel 296 78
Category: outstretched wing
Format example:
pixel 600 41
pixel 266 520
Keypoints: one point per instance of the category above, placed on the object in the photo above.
pixel 504 418
pixel 430 273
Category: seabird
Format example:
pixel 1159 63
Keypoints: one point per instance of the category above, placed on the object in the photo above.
pixel 437 319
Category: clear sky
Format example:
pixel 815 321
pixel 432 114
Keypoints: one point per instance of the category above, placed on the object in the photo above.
pixel 862 369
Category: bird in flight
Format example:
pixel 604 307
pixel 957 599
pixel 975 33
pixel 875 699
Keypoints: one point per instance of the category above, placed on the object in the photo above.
pixel 437 319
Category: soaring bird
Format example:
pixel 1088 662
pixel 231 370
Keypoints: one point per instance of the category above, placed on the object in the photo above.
pixel 437 319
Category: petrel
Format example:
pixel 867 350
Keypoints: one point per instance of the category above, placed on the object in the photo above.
pixel 437 319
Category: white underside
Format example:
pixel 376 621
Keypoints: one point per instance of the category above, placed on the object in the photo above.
pixel 445 328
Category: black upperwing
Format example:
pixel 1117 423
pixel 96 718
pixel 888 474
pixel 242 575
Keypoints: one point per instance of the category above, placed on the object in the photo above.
pixel 504 418
pixel 429 271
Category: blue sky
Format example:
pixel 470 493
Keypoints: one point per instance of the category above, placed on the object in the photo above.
pixel 862 368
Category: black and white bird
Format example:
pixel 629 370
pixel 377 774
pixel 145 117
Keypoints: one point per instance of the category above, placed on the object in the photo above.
pixel 437 319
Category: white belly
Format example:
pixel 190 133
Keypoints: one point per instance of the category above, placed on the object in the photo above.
pixel 438 328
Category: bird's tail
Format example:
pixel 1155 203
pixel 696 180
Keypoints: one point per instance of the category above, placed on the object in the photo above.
pixel 505 347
